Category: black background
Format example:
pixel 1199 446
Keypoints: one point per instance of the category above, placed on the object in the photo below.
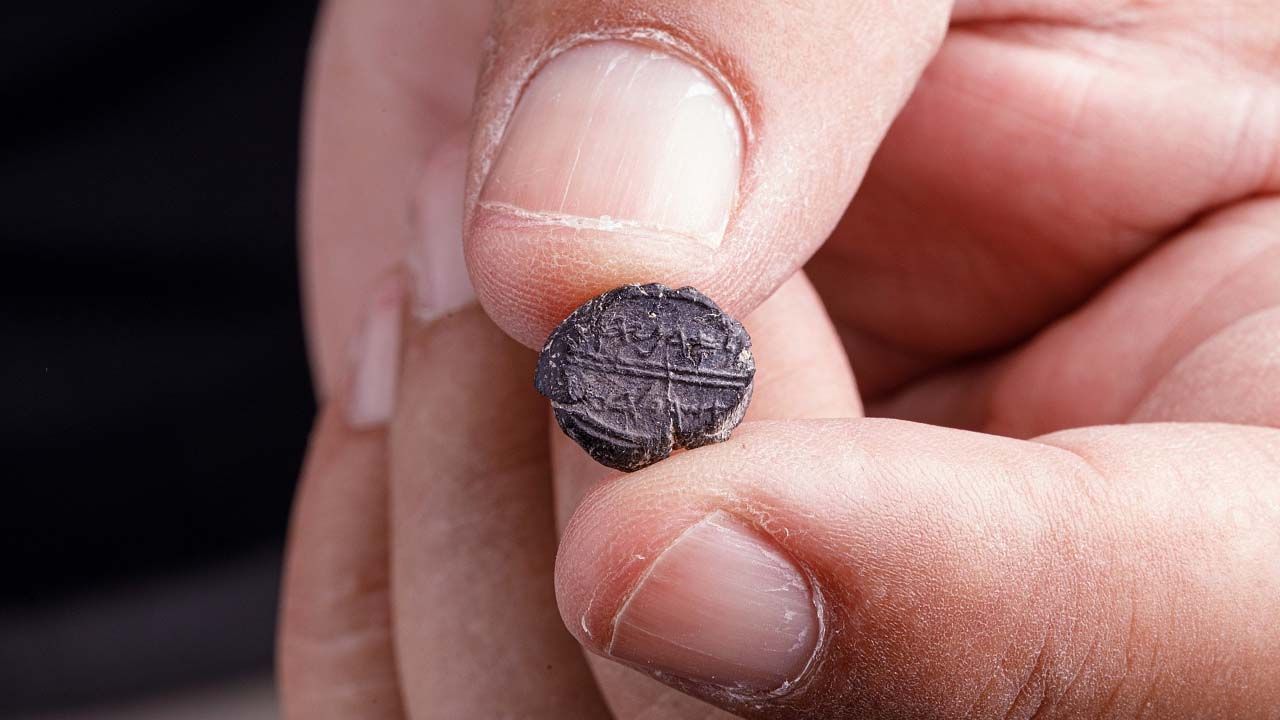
pixel 154 395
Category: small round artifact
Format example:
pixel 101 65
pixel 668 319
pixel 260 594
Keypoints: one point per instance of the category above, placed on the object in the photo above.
pixel 644 369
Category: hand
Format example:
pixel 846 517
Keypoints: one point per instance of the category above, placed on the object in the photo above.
pixel 1071 226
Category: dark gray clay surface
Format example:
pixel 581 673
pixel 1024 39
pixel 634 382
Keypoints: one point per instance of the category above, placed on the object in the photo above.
pixel 644 369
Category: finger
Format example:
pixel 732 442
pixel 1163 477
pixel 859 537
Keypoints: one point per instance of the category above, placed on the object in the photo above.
pixel 336 656
pixel 387 84
pixel 1017 180
pixel 886 569
pixel 801 373
pixel 1188 334
pixel 474 535
pixel 801 368
pixel 472 523
pixel 712 144
pixel 336 652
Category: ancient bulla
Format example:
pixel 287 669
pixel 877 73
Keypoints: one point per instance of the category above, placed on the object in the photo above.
pixel 643 369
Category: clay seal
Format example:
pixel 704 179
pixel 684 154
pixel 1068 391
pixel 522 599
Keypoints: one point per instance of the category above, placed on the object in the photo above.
pixel 643 369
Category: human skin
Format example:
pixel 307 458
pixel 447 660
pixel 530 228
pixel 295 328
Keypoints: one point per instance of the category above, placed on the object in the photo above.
pixel 1068 240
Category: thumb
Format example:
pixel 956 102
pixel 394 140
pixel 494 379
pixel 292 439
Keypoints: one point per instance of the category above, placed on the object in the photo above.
pixel 712 144
pixel 880 569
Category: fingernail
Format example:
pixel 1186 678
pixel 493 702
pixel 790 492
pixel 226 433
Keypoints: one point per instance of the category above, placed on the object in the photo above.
pixel 436 264
pixel 721 605
pixel 621 137
pixel 375 357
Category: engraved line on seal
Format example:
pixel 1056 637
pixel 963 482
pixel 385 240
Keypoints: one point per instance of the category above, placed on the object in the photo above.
pixel 598 429
pixel 718 380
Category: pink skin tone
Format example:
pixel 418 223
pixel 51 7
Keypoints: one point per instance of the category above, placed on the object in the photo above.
pixel 676 174
pixel 1070 224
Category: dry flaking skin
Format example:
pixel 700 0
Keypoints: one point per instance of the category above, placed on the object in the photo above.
pixel 643 369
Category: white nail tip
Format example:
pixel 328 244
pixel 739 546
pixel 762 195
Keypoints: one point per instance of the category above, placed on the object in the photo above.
pixel 375 359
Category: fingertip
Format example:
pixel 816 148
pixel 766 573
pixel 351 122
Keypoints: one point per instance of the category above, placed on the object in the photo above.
pixel 675 143
pixel 529 274
pixel 618 162
pixel 693 588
